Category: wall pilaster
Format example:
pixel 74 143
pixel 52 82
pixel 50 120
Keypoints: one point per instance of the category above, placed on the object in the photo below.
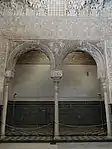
pixel 107 106
pixel 108 61
pixel 3 58
pixel 8 76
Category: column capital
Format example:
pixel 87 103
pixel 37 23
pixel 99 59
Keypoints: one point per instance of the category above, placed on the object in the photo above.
pixel 56 75
pixel 104 84
pixel 9 74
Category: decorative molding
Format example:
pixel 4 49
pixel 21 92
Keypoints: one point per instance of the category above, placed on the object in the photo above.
pixel 89 48
pixel 56 53
pixel 28 46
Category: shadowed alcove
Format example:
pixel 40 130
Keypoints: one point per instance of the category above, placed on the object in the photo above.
pixel 31 95
pixel 81 105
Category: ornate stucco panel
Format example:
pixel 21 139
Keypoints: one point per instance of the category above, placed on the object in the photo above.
pixel 108 54
pixel 24 7
pixel 56 7
pixel 23 46
pixel 85 46
pixel 4 47
pixel 108 57
pixel 56 50
pixel 68 28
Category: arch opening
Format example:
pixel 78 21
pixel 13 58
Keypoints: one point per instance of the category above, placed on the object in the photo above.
pixel 30 97
pixel 81 104
pixel 29 46
pixel 92 50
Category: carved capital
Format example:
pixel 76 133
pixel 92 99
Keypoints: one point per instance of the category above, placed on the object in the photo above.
pixel 9 74
pixel 56 74
pixel 104 84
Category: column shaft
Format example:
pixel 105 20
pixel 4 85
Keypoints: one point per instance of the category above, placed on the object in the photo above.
pixel 56 97
pixel 107 110
pixel 4 111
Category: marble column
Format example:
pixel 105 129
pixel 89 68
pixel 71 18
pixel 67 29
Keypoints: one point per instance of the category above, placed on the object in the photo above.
pixel 4 110
pixel 8 76
pixel 56 75
pixel 107 107
pixel 56 98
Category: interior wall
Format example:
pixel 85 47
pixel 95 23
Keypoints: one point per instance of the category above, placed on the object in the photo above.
pixel 32 78
pixel 80 83
pixel 34 90
pixel 33 82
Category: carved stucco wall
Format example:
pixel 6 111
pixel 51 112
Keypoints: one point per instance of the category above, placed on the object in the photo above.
pixel 83 28
pixel 56 7
pixel 108 57
pixel 3 58
pixel 55 29
pixel 56 50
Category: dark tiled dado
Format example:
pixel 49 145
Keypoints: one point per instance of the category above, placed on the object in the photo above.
pixel 32 114
pixel 35 118
pixel 82 118
pixel 82 112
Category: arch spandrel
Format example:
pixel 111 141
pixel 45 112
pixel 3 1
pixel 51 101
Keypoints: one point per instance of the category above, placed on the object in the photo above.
pixel 28 46
pixel 90 49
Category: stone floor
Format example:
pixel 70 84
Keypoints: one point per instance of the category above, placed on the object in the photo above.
pixel 95 145
pixel 27 146
pixel 47 139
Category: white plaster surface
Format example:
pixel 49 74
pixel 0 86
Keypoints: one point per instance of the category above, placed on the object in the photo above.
pixel 33 82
